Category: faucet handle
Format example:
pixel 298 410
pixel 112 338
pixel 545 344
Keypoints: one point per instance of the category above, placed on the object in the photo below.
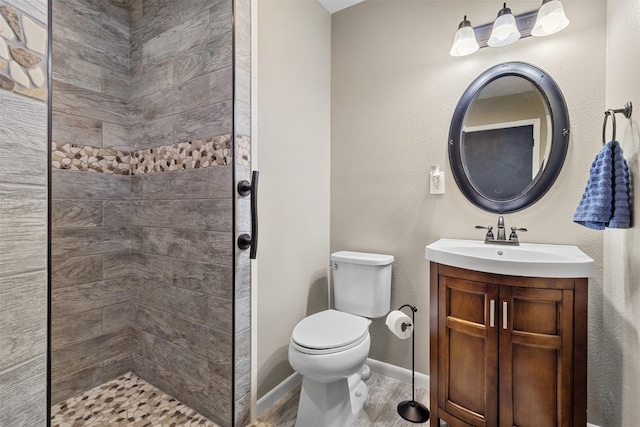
pixel 514 235
pixel 489 229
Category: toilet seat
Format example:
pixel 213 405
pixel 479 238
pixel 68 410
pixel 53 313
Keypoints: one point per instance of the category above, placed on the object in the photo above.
pixel 329 331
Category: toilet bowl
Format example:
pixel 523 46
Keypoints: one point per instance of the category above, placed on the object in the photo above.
pixel 329 349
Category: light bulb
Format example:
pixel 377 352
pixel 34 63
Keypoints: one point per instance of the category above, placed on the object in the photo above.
pixel 502 32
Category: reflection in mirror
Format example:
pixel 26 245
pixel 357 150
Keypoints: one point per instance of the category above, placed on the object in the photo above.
pixel 506 136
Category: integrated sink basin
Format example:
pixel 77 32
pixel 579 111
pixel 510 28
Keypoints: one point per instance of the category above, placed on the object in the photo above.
pixel 528 259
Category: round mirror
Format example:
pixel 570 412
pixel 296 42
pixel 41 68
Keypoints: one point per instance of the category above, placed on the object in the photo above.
pixel 508 137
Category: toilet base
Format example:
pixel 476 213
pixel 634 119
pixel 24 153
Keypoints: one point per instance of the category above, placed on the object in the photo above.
pixel 335 404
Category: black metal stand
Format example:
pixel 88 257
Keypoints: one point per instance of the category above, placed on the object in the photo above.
pixel 411 410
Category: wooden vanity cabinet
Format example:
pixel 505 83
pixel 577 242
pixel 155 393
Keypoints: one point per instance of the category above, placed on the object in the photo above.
pixel 507 350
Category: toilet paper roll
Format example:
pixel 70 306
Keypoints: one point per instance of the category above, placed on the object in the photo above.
pixel 395 321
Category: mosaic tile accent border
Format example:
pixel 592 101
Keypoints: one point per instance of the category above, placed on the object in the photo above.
pixel 23 53
pixel 196 154
pixel 201 153
pixel 125 401
pixel 243 150
pixel 86 158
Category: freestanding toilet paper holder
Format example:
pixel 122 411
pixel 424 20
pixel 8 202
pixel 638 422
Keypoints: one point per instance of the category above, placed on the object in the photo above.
pixel 411 410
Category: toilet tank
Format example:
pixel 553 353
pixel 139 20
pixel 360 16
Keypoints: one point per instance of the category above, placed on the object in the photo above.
pixel 362 283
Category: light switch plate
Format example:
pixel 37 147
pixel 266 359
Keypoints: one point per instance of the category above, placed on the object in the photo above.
pixel 436 182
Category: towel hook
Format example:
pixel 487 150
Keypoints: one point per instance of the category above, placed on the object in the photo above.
pixel 626 111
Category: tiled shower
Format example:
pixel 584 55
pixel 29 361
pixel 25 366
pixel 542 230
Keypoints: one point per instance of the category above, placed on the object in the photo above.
pixel 150 131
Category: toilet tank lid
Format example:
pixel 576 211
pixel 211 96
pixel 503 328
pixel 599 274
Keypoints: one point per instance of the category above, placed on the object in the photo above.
pixel 363 258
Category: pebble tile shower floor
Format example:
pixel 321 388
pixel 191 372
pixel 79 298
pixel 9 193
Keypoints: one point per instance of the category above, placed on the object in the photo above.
pixel 125 401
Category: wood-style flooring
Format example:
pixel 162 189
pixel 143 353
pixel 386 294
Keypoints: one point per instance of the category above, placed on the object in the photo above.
pixel 380 410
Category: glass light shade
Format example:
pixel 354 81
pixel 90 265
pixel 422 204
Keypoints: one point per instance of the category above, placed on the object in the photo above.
pixel 550 20
pixel 505 31
pixel 464 42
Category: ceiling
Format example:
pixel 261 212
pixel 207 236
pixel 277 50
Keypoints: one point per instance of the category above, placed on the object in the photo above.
pixel 510 85
pixel 337 5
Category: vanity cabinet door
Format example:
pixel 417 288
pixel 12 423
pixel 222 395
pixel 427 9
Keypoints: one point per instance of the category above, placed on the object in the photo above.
pixel 536 359
pixel 521 364
pixel 468 350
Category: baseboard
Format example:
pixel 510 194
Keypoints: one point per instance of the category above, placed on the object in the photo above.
pixel 592 425
pixel 398 373
pixel 276 393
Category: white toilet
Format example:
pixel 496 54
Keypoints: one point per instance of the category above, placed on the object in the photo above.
pixel 329 348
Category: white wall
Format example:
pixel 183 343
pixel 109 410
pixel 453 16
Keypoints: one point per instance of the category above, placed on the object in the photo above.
pixel 293 129
pixel 394 90
pixel 618 353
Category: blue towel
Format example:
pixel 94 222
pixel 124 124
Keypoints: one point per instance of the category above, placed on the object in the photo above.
pixel 606 201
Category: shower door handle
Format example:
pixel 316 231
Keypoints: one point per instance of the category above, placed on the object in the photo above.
pixel 246 241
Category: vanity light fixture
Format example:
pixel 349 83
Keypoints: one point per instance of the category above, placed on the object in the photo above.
pixel 464 42
pixel 508 29
pixel 505 31
pixel 551 19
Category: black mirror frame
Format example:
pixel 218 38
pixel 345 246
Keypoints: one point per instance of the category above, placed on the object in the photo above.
pixel 559 142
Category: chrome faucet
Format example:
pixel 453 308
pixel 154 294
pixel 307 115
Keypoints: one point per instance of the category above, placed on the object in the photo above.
pixel 501 234
pixel 501 239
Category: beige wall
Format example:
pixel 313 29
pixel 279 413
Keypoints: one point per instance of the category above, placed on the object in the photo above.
pixel 394 90
pixel 293 149
pixel 618 352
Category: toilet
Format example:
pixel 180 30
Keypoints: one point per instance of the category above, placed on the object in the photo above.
pixel 329 348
